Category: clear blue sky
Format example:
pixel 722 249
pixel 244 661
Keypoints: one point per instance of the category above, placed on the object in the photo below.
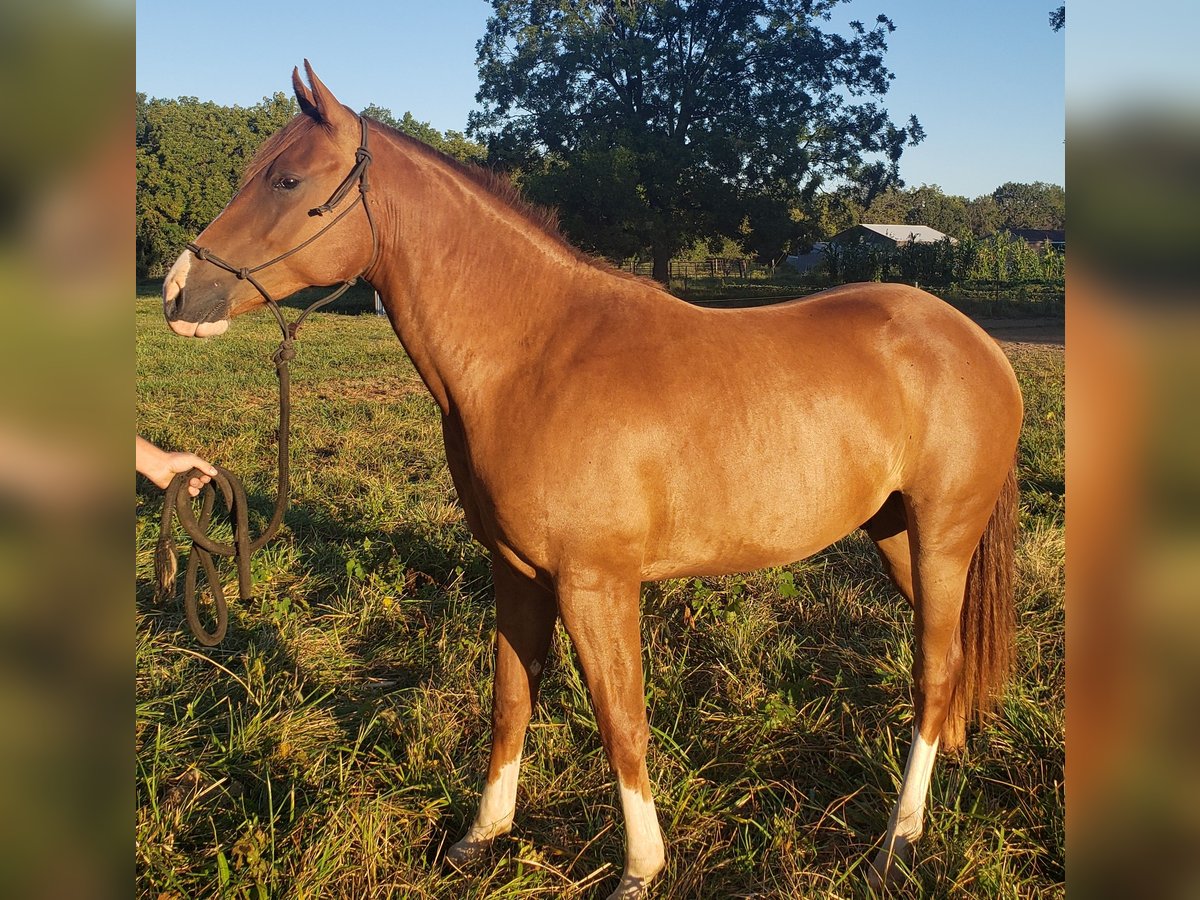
pixel 1122 61
pixel 984 78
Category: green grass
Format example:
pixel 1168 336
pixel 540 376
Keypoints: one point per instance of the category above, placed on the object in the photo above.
pixel 335 743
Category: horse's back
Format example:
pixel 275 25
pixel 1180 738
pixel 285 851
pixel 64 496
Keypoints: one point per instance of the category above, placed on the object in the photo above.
pixel 816 410
pixel 870 312
pixel 901 341
pixel 959 397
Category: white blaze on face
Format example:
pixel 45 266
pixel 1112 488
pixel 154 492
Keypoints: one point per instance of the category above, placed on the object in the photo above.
pixel 177 277
pixel 172 286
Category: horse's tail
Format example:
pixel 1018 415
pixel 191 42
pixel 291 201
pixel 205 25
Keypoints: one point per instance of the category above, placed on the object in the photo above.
pixel 988 624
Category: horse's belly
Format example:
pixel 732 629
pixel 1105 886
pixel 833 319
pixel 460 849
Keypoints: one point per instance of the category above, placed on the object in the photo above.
pixel 729 558
pixel 764 519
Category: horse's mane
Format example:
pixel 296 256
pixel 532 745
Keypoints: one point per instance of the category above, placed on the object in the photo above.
pixel 500 186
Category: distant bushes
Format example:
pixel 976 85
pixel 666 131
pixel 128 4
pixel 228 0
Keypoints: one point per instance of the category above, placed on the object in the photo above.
pixel 999 258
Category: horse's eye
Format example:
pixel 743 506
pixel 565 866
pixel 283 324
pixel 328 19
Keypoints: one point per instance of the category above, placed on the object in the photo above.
pixel 287 182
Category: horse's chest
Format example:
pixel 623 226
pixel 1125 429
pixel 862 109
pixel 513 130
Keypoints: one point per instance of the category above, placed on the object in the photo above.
pixel 502 497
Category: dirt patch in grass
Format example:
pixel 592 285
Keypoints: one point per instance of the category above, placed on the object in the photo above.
pixel 1032 330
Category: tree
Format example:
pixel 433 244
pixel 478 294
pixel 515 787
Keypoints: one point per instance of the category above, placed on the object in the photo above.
pixel 929 205
pixel 983 216
pixel 597 198
pixel 1058 18
pixel 1012 205
pixel 834 211
pixel 888 207
pixel 709 110
pixel 1034 205
pixel 189 158
pixel 452 143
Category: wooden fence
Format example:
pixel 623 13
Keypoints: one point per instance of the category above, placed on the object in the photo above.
pixel 714 267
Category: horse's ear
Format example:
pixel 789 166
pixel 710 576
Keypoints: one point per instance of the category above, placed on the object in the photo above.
pixel 308 105
pixel 328 109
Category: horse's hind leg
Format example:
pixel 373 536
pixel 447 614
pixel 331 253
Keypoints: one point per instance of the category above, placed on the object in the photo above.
pixel 888 528
pixel 525 617
pixel 941 555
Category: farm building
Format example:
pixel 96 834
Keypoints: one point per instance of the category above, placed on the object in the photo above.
pixel 1039 237
pixel 889 235
pixel 805 262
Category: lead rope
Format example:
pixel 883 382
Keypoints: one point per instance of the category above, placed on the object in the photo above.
pixel 178 504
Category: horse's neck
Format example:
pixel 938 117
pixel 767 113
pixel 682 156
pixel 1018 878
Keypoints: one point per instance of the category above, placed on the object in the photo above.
pixel 472 288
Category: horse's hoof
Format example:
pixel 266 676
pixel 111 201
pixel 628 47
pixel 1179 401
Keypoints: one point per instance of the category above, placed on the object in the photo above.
pixel 631 887
pixel 466 851
pixel 886 868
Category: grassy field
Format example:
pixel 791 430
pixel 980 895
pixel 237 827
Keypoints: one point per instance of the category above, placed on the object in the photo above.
pixel 334 745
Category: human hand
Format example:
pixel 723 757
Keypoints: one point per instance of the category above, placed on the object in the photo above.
pixel 161 466
pixel 183 462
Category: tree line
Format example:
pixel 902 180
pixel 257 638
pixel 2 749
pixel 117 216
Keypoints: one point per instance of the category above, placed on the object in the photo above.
pixel 190 154
pixel 1009 207
pixel 653 127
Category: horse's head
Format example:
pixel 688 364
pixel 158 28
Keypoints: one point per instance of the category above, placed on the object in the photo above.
pixel 283 202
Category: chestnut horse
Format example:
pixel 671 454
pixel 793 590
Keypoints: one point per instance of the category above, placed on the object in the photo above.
pixel 602 433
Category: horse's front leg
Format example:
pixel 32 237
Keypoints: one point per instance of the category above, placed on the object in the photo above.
pixel 601 616
pixel 525 617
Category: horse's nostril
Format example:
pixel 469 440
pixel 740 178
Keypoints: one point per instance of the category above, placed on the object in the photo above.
pixel 172 306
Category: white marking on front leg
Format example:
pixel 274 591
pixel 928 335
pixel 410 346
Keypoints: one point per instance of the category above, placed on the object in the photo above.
pixel 498 803
pixel 644 854
pixel 908 816
pixel 497 806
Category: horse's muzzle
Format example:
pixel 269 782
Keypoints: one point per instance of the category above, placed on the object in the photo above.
pixel 198 329
pixel 187 311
